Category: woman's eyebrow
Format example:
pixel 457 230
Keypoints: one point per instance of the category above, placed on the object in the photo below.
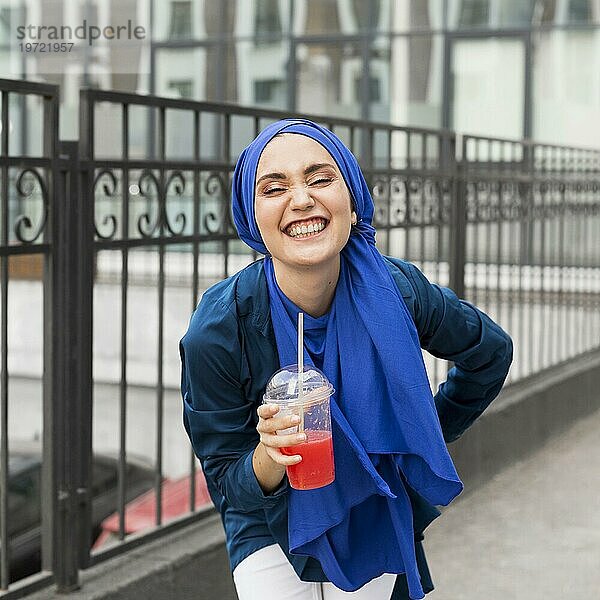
pixel 310 169
pixel 271 176
pixel 316 167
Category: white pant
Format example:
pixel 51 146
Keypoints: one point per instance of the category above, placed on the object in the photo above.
pixel 267 575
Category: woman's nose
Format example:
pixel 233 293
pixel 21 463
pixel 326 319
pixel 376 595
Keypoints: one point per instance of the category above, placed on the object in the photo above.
pixel 301 198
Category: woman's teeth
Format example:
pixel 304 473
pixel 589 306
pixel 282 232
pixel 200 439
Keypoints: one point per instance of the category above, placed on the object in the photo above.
pixel 306 230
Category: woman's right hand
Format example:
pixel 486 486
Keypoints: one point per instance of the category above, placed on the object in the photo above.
pixel 268 461
pixel 269 423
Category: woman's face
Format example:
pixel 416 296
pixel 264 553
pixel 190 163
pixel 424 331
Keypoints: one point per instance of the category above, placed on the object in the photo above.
pixel 302 205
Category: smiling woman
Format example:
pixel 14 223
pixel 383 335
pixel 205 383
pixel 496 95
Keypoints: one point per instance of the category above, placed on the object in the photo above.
pixel 300 198
pixel 299 189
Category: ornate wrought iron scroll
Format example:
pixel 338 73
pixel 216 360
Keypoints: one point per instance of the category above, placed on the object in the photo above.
pixel 217 219
pixel 26 183
pixel 108 181
pixel 108 184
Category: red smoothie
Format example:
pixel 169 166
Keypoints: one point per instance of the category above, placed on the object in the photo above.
pixel 316 468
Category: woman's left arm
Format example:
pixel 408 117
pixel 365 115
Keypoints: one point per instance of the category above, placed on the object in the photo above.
pixel 455 330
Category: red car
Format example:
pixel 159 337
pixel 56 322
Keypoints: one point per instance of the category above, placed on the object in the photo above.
pixel 140 514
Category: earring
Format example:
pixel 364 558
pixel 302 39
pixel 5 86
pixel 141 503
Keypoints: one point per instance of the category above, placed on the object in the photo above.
pixel 354 219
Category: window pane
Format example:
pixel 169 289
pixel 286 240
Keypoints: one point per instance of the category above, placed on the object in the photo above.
pixel 261 74
pixel 497 14
pixel 181 71
pixel 409 71
pixel 582 11
pixel 489 84
pixel 564 12
pixel 6 26
pixel 263 20
pixel 170 22
pixel 6 64
pixel 241 72
pixel 474 12
pixel 267 19
pixel 514 13
pixel 469 13
pixel 267 91
pixel 223 71
pixel 566 89
pixel 180 21
pixel 181 88
pixel 326 79
pixel 193 19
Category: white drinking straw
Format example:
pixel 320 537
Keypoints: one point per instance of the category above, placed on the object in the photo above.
pixel 301 367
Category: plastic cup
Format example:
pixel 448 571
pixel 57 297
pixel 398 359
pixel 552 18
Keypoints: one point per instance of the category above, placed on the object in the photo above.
pixel 316 469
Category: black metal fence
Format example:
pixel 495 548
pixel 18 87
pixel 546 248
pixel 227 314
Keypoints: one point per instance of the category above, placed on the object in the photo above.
pixel 532 245
pixel 132 224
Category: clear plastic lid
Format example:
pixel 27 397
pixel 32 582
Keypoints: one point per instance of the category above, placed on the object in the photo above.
pixel 283 386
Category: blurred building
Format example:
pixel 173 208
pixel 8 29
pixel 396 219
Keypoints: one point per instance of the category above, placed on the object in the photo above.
pixel 510 68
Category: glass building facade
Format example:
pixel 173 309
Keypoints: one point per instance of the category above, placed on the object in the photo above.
pixel 506 68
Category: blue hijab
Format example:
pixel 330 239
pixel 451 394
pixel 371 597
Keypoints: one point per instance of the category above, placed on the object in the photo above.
pixel 386 433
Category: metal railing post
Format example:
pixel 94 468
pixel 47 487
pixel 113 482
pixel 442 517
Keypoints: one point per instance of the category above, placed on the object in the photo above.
pixel 51 234
pixel 4 547
pixel 458 221
pixel 71 406
pixel 83 207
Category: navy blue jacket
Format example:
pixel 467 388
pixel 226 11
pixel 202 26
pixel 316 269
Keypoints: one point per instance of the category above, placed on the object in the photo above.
pixel 229 353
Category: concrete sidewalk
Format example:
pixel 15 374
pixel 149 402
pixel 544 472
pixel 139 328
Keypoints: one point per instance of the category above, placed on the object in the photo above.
pixel 531 533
